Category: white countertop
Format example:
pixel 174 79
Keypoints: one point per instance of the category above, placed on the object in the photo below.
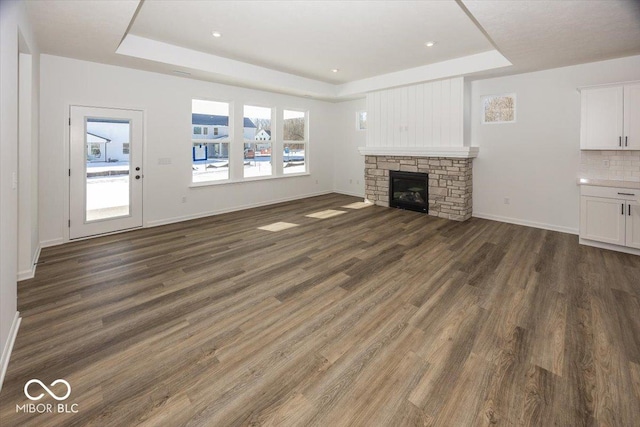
pixel 609 183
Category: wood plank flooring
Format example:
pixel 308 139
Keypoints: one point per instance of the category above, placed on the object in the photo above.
pixel 375 317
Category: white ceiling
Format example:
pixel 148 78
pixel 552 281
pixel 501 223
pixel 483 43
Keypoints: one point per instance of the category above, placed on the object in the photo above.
pixel 543 34
pixel 291 46
pixel 309 38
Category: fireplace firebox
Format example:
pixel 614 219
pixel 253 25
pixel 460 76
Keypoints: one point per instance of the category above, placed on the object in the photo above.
pixel 409 190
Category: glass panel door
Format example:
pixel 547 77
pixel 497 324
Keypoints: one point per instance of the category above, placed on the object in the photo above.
pixel 105 174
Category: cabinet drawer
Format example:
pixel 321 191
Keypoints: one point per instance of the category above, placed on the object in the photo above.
pixel 610 192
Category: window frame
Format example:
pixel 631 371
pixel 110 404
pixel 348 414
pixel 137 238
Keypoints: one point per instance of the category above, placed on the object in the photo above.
pixel 498 95
pixel 228 140
pixel 272 141
pixel 305 141
pixel 358 122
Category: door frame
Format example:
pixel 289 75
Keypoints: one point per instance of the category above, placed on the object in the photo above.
pixel 67 165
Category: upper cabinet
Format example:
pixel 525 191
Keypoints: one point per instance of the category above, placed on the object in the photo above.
pixel 632 116
pixel 610 118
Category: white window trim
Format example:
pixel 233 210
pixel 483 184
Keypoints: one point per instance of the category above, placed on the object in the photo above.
pixel 227 140
pixel 358 128
pixel 305 142
pixel 271 141
pixel 499 95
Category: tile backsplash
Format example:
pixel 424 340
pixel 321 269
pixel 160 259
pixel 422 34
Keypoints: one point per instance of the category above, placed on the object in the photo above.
pixel 613 165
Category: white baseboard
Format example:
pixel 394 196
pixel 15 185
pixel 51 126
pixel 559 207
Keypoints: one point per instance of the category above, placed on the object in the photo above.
pixel 30 273
pixel 609 246
pixel 173 220
pixel 534 224
pixel 52 242
pixel 8 347
pixel 349 193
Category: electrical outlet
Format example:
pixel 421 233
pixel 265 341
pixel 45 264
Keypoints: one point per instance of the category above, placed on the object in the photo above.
pixel 507 201
pixel 606 163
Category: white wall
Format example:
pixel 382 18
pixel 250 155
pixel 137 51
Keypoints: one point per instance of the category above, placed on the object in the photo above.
pixel 15 36
pixel 535 161
pixel 28 100
pixel 348 168
pixel 166 102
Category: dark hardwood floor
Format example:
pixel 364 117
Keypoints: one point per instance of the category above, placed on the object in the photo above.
pixel 377 317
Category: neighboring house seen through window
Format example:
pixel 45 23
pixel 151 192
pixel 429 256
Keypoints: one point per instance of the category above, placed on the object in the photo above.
pixel 210 152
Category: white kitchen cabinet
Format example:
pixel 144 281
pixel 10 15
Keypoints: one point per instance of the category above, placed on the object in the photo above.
pixel 610 118
pixel 603 220
pixel 633 225
pixel 610 215
pixel 632 117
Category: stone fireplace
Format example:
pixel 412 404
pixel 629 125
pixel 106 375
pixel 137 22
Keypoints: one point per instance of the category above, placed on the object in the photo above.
pixel 450 182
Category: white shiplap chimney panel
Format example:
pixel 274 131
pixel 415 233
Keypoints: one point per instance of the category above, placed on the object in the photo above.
pixel 424 115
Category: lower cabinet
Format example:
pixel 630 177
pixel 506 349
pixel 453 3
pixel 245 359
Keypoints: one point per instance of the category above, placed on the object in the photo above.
pixel 610 215
pixel 633 225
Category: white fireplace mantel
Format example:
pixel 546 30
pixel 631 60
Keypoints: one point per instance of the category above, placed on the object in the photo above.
pixel 454 152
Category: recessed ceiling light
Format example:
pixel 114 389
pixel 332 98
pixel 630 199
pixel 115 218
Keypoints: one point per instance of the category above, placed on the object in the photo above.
pixel 430 44
pixel 216 34
pixel 334 70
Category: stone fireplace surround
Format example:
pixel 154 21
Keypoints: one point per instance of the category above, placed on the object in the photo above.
pixel 450 182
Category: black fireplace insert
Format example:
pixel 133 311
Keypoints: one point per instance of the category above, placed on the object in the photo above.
pixel 409 190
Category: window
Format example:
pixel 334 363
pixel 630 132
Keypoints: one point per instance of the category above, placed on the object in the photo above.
pixel 215 131
pixel 499 108
pixel 294 135
pixel 257 141
pixel 125 148
pixel 94 150
pixel 361 120
pixel 210 153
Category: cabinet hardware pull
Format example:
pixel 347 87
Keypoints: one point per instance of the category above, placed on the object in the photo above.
pixel 626 141
pixel 622 210
pixel 629 210
pixel 620 141
pixel 627 194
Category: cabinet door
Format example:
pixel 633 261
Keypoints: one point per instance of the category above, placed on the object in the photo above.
pixel 603 220
pixel 601 118
pixel 632 117
pixel 633 225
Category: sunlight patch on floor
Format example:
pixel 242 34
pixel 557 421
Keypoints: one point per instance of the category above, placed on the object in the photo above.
pixel 325 214
pixel 358 205
pixel 278 226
